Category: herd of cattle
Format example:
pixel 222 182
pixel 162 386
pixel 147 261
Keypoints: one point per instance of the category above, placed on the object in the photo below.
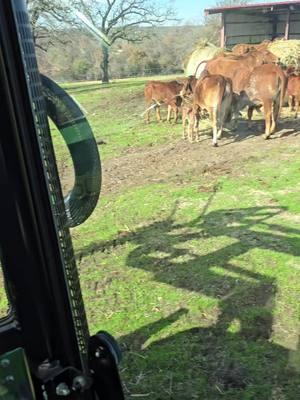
pixel 246 77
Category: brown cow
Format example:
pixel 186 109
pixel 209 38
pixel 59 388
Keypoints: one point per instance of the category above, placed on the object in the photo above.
pixel 231 65
pixel 263 45
pixel 227 66
pixel 237 68
pixel 293 92
pixel 162 93
pixel 187 95
pixel 265 85
pixel 187 112
pixel 241 48
pixel 214 94
pixel 240 78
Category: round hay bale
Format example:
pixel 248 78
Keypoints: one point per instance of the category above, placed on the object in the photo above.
pixel 287 50
pixel 204 51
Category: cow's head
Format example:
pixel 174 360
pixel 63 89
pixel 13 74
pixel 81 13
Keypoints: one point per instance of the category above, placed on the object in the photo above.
pixel 291 71
pixel 188 87
pixel 239 101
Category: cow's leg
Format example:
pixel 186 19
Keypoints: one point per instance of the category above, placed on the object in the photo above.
pixel 234 123
pixel 191 126
pixel 268 118
pixel 176 112
pixel 221 123
pixel 147 120
pixel 214 118
pixel 196 127
pixel 221 120
pixel 184 120
pixel 196 120
pixel 258 108
pixel 220 131
pixel 275 114
pixel 147 115
pixel 250 115
pixel 157 112
pixel 158 116
pixel 169 114
pixel 291 102
pixel 297 104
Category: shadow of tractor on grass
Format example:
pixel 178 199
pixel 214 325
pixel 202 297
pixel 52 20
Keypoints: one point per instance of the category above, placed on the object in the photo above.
pixel 231 356
pixel 234 357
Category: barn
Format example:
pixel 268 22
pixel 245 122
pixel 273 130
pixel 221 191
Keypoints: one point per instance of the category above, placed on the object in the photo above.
pixel 253 23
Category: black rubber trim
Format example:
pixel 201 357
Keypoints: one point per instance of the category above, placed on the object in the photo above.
pixel 69 119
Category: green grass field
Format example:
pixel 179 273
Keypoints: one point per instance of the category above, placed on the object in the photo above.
pixel 191 259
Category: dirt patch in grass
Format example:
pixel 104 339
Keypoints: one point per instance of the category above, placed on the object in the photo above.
pixel 135 154
pixel 138 166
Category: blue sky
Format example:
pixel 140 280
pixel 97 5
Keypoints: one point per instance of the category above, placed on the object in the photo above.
pixel 192 9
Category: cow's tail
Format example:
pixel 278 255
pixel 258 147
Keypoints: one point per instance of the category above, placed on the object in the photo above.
pixel 199 65
pixel 283 86
pixel 226 92
pixel 221 99
pixel 216 114
pixel 278 102
pixel 218 110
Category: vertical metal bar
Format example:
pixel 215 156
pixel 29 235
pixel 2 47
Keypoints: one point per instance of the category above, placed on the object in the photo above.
pixel 33 256
pixel 287 25
pixel 222 39
pixel 66 265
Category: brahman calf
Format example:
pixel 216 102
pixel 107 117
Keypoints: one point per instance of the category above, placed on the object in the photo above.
pixel 293 91
pixel 162 93
pixel 212 93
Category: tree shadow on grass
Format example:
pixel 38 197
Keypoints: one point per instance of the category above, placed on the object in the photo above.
pixel 233 358
pixel 210 362
pixel 287 126
pixel 229 355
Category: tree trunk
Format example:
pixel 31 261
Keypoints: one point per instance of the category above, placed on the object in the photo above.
pixel 105 64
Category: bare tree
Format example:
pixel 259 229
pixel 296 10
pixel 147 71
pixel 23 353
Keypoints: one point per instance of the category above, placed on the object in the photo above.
pixel 47 18
pixel 123 20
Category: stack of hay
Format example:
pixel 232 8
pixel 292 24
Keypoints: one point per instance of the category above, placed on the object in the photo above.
pixel 203 51
pixel 287 50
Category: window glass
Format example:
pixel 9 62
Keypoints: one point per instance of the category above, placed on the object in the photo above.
pixel 4 304
pixel 191 257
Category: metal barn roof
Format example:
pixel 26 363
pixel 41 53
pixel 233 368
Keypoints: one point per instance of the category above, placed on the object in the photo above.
pixel 253 23
pixel 258 6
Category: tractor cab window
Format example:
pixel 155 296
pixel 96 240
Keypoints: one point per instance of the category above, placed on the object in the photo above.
pixel 4 303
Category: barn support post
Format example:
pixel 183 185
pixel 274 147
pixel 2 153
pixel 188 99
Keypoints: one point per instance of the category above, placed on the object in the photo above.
pixel 274 26
pixel 222 40
pixel 287 25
